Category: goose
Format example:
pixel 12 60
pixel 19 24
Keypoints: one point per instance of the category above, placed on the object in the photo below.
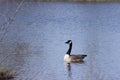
pixel 73 58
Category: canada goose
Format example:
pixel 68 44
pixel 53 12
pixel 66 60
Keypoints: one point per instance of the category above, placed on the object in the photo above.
pixel 72 58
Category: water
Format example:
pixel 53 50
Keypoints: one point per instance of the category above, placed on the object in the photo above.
pixel 34 42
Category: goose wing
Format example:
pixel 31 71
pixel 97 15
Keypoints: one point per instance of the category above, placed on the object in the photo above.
pixel 74 57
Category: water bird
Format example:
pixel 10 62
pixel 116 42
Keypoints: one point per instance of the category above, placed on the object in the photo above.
pixel 73 58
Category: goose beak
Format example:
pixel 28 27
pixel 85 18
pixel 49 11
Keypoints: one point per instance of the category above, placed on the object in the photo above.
pixel 66 42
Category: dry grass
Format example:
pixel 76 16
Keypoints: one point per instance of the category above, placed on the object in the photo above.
pixel 6 73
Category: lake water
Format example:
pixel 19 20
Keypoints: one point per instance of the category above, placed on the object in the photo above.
pixel 33 44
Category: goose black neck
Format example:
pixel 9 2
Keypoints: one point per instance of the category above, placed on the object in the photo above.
pixel 69 50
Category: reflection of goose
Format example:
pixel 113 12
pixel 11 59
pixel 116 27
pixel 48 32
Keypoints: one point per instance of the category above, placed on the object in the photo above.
pixel 72 58
pixel 68 66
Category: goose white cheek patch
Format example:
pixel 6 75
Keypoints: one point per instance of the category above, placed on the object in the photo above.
pixel 70 42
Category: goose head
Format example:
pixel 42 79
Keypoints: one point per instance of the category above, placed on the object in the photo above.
pixel 69 42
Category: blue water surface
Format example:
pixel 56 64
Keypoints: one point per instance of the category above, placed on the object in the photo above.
pixel 34 42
